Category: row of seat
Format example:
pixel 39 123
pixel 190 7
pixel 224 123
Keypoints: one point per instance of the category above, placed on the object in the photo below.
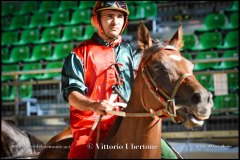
pixel 40 52
pixel 220 21
pixel 211 40
pixel 43 19
pixel 55 34
pixel 207 80
pixel 226 101
pixel 143 9
pixel 25 7
pixel 9 8
pixel 24 91
pixel 47 52
pixel 206 41
pixel 59 51
pixel 216 65
pixel 33 67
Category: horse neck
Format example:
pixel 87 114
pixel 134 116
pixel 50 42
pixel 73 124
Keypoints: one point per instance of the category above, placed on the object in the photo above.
pixel 139 131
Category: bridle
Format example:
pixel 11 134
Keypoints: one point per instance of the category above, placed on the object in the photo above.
pixel 167 101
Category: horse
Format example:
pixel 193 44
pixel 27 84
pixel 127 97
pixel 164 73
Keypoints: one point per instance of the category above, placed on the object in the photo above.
pixel 17 143
pixel 164 87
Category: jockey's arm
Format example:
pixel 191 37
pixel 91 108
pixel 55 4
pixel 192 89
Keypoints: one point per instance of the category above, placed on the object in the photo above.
pixel 84 103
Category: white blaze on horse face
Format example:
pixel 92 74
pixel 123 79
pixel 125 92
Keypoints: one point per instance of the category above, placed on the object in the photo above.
pixel 175 57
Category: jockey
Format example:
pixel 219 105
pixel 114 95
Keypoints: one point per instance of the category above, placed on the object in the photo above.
pixel 91 70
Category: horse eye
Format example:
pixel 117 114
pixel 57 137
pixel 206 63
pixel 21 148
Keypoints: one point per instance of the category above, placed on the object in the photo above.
pixel 157 66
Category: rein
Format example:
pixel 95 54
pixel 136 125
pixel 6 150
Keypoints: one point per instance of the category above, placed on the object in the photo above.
pixel 169 103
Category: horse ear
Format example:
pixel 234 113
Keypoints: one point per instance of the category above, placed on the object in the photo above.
pixel 176 40
pixel 144 37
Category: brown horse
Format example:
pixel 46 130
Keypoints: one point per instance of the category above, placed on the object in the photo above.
pixel 16 143
pixel 164 87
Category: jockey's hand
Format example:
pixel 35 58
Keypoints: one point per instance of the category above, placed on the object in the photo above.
pixel 100 107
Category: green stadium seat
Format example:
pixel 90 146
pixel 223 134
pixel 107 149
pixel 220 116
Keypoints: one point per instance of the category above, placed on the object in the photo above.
pixel 226 101
pixel 29 7
pixel 208 40
pixel 5 54
pixel 131 2
pixel 6 21
pixel 87 4
pixel 71 33
pixel 150 9
pixel 60 51
pixel 68 5
pixel 206 81
pixel 87 33
pixel 5 91
pixel 213 21
pixel 8 38
pixel 49 35
pixel 18 54
pixel 9 68
pixel 30 67
pixel 188 56
pixel 28 36
pixel 234 7
pixel 40 52
pixel 80 17
pixel 25 90
pixel 145 10
pixel 137 2
pixel 59 18
pixel 8 93
pixel 19 22
pixel 10 7
pixel 39 20
pixel 205 56
pixel 189 41
pixel 230 41
pixel 228 64
pixel 136 12
pixel 233 81
pixel 49 6
pixel 51 75
pixel 233 22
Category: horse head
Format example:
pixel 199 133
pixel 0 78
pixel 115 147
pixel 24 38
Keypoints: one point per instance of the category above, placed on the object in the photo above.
pixel 170 80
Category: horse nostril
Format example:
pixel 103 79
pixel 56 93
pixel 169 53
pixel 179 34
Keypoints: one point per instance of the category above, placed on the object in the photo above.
pixel 196 97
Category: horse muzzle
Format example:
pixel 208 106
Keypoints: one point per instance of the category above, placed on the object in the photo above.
pixel 200 107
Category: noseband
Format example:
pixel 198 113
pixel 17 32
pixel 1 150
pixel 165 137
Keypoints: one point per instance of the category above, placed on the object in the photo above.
pixel 166 100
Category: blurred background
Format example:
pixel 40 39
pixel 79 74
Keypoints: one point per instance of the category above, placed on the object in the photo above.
pixel 38 35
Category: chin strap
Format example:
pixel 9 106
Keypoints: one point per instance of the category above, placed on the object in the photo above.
pixel 112 40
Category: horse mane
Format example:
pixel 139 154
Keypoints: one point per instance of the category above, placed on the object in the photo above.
pixel 157 45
